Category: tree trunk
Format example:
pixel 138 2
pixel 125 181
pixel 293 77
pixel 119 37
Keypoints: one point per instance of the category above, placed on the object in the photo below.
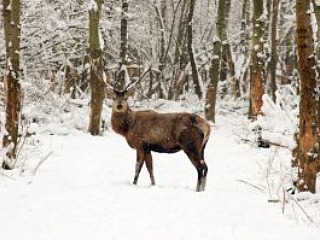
pixel 306 154
pixel 235 84
pixel 97 66
pixel 256 81
pixel 121 82
pixel 245 19
pixel 180 54
pixel 224 57
pixel 272 87
pixel 211 95
pixel 316 5
pixel 244 46
pixel 11 79
pixel 194 67
pixel 161 16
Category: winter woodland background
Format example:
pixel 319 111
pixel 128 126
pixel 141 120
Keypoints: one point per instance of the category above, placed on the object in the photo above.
pixel 237 60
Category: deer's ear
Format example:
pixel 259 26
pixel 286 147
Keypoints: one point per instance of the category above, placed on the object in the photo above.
pixel 130 92
pixel 110 93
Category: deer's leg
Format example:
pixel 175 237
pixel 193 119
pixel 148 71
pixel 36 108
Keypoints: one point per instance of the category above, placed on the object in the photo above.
pixel 194 150
pixel 139 164
pixel 202 169
pixel 148 160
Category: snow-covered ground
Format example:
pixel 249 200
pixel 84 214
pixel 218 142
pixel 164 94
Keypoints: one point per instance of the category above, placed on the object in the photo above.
pixel 84 191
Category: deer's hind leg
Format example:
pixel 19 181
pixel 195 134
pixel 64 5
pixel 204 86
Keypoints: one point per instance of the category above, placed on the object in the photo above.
pixel 139 165
pixel 195 151
pixel 202 176
pixel 148 160
pixel 203 168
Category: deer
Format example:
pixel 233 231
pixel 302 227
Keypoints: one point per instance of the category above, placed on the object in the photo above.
pixel 149 131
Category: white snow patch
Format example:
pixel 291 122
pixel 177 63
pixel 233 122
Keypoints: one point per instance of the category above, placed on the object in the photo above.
pixel 79 186
pixel 92 5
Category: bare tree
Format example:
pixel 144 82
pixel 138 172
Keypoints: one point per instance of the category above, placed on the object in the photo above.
pixel 306 155
pixel 161 10
pixel 194 67
pixel 316 5
pixel 257 81
pixel 97 66
pixel 211 95
pixel 244 45
pixel 180 52
pixel 123 45
pixel 272 87
pixel 12 27
pixel 227 57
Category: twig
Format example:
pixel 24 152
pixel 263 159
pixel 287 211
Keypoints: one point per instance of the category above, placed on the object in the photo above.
pixel 270 163
pixel 23 140
pixel 7 176
pixel 252 185
pixel 40 162
pixel 304 211
pixel 283 205
pixel 270 142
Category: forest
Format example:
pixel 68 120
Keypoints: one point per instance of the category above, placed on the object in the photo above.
pixel 251 68
pixel 258 59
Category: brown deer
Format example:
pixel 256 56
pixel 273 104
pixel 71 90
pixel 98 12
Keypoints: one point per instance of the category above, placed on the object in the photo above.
pixel 148 131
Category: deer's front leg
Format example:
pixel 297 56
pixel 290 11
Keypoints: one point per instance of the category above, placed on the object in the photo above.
pixel 139 164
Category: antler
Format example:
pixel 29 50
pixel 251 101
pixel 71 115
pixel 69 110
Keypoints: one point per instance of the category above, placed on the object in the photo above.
pixel 132 84
pixel 144 74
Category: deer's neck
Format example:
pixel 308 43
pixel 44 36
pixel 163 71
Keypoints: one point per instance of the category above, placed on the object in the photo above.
pixel 121 122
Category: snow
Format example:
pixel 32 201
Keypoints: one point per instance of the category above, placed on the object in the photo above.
pixel 256 47
pixel 92 5
pixel 279 120
pixel 101 41
pixel 79 187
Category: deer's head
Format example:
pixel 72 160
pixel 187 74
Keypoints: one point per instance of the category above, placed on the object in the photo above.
pixel 120 98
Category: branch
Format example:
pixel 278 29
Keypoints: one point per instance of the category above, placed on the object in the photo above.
pixel 304 211
pixel 41 161
pixel 252 185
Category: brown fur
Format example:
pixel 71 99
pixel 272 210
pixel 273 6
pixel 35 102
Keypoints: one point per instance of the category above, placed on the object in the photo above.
pixel 148 131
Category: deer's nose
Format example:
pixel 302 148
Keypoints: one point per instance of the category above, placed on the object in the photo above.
pixel 119 107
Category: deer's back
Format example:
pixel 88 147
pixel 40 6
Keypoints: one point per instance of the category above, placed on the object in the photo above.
pixel 161 132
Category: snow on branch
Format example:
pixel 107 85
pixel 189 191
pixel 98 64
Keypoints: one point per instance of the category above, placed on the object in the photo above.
pixel 92 6
pixel 277 122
